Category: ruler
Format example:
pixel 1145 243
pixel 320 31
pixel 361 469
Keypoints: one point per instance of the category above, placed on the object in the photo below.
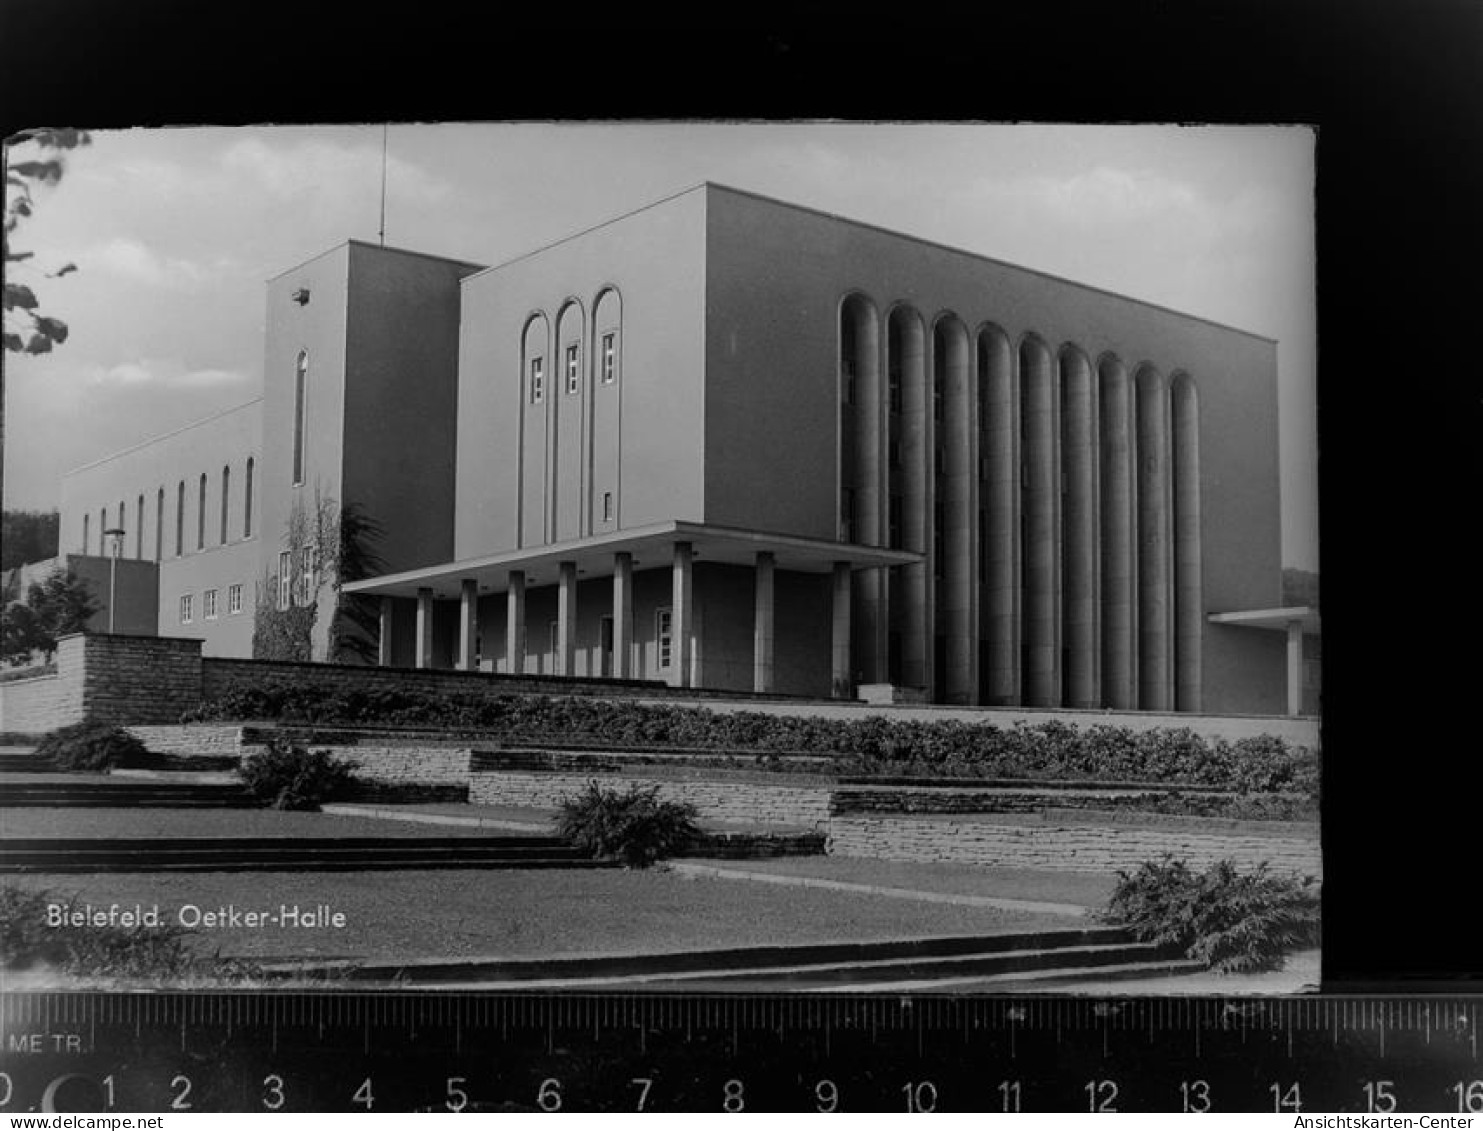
pixel 242 1052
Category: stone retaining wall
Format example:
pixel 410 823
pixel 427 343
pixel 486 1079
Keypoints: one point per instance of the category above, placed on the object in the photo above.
pixel 1061 847
pixel 716 800
pixel 192 740
pixel 405 764
pixel 40 704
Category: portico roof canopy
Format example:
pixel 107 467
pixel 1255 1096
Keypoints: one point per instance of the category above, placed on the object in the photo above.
pixel 651 546
pixel 1276 619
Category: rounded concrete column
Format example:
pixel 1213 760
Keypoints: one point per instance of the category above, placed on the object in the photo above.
pixel 1118 527
pixel 1189 598
pixel 1155 683
pixel 1079 530
pixel 863 398
pixel 957 445
pixel 999 493
pixel 1041 517
pixel 906 344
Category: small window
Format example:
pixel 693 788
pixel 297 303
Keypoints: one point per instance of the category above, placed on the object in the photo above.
pixel 308 575
pixel 607 506
pixel 537 380
pixel 186 609
pixel 234 600
pixel 285 579
pixel 573 369
pixel 664 637
pixel 208 604
pixel 609 358
pixel 301 409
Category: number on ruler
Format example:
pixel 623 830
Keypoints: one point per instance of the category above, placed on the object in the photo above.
pixel 9 1089
pixel 179 1102
pixel 1379 1095
pixel 108 1087
pixel 548 1098
pixel 1194 1095
pixel 921 1097
pixel 457 1099
pixel 731 1097
pixel 273 1092
pixel 1010 1091
pixel 363 1094
pixel 644 1083
pixel 826 1093
pixel 1101 1095
pixel 1469 1095
pixel 1290 1100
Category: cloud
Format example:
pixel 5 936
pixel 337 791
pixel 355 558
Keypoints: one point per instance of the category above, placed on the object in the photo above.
pixel 135 261
pixel 154 373
pixel 318 168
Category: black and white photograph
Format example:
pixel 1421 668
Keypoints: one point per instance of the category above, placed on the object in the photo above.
pixel 662 557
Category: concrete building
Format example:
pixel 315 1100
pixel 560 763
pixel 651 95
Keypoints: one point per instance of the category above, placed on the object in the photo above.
pixel 724 441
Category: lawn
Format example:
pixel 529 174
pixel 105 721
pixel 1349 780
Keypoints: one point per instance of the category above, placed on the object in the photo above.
pixel 1087 889
pixel 529 914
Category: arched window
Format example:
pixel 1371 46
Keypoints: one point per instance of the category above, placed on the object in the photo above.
pixel 301 382
pixel 247 501
pixel 139 528
pixel 201 517
pixel 226 500
pixel 180 519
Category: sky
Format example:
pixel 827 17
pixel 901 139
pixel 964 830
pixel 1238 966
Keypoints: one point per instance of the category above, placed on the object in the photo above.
pixel 175 231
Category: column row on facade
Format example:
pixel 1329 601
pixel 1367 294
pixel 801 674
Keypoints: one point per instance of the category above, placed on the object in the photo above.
pixel 1055 503
pixel 681 624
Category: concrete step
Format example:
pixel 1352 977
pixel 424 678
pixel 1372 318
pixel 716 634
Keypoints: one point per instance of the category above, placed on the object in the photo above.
pixel 25 764
pixel 145 794
pixel 1007 950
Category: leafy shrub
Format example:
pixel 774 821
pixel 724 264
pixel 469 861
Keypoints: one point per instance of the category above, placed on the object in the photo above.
pixel 27 940
pixel 287 776
pixel 633 826
pixel 870 746
pixel 1234 922
pixel 91 746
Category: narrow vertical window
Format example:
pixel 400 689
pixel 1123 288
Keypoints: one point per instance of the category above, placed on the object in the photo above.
pixel 139 528
pixel 120 527
pixel 609 358
pixel 301 382
pixel 607 506
pixel 85 533
pixel 537 380
pixel 201 517
pixel 247 501
pixel 159 525
pixel 664 636
pixel 103 532
pixel 234 600
pixel 226 501
pixel 573 369
pixel 285 579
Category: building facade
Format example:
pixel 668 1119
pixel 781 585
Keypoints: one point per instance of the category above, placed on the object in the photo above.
pixel 725 441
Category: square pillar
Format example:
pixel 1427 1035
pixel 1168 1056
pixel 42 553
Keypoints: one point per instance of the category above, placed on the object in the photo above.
pixel 468 623
pixel 763 621
pixel 566 618
pixel 383 641
pixel 424 628
pixel 839 668
pixel 1294 667
pixel 515 624
pixel 681 614
pixel 622 615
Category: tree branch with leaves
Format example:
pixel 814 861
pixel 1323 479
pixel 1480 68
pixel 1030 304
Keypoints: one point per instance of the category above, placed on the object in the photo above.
pixel 27 330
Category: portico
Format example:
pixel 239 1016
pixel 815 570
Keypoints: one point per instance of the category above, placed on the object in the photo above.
pixel 691 604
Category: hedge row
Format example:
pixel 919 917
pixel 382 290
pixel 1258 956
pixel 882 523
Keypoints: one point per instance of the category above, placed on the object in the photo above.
pixel 870 745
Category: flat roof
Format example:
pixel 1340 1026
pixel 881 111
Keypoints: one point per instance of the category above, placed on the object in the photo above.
pixel 651 546
pixel 1277 619
pixel 164 436
pixel 874 228
pixel 374 247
